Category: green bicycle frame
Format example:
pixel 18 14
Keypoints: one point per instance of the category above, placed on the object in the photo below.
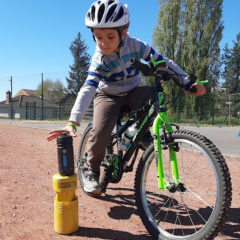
pixel 161 122
pixel 157 125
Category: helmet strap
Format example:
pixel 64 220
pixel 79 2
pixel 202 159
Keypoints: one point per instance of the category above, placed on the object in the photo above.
pixel 93 35
pixel 120 38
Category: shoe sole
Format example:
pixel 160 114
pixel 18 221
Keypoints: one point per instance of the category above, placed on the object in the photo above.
pixel 92 192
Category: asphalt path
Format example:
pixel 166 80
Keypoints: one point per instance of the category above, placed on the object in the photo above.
pixel 227 139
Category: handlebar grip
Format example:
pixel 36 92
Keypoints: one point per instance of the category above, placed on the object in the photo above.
pixel 146 69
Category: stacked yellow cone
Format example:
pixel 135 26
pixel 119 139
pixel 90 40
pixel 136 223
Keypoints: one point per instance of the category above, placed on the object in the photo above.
pixel 65 204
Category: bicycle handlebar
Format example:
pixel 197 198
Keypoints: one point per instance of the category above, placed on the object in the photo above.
pixel 148 70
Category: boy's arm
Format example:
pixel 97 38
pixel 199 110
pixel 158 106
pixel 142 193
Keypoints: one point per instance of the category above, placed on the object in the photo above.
pixel 172 67
pixel 183 80
pixel 86 93
pixel 82 103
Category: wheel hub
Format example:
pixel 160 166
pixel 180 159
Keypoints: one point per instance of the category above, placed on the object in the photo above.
pixel 173 187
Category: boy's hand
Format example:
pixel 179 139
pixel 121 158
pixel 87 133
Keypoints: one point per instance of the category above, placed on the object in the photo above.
pixel 56 133
pixel 199 90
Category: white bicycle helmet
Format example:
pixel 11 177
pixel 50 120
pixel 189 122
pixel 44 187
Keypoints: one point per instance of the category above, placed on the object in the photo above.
pixel 107 14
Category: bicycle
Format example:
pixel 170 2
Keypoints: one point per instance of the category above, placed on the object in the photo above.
pixel 169 173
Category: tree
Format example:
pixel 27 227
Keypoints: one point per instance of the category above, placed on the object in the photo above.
pixel 52 90
pixel 78 73
pixel 231 61
pixel 167 39
pixel 202 34
pixel 189 32
pixel 166 35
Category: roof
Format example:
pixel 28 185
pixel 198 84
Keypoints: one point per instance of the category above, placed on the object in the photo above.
pixel 26 92
pixel 67 97
pixel 20 101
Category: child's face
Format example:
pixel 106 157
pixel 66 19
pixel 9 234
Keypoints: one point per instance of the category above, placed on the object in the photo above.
pixel 107 40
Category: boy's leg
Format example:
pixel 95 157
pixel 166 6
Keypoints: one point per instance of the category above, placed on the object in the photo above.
pixel 135 100
pixel 106 111
pixel 138 96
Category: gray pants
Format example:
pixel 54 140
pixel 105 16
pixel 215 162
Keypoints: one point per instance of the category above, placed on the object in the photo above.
pixel 106 112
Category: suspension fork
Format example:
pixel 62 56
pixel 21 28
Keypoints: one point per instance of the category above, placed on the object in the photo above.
pixel 157 125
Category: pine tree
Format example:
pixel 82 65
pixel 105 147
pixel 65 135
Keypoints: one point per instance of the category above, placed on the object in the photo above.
pixel 78 73
pixel 231 61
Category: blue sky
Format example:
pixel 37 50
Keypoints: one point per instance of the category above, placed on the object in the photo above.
pixel 35 36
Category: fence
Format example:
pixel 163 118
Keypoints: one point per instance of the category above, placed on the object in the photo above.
pixel 217 108
pixel 34 111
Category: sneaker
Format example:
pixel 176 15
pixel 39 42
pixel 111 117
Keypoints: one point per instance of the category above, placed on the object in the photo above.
pixel 91 183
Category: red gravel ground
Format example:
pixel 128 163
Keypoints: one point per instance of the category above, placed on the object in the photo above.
pixel 27 164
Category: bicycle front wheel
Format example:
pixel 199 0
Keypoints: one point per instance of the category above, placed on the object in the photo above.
pixel 196 211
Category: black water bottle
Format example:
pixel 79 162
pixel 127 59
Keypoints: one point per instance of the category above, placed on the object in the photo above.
pixel 65 155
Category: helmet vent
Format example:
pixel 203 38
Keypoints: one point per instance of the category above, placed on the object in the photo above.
pixel 89 16
pixel 110 12
pixel 101 12
pixel 119 15
pixel 93 13
pixel 111 1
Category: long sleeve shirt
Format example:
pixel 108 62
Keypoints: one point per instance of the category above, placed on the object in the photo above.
pixel 113 74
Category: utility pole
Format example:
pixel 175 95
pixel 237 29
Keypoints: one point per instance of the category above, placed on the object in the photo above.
pixel 42 97
pixel 10 100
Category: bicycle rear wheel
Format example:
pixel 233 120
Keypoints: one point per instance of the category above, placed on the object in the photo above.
pixel 195 212
pixel 109 160
pixel 82 166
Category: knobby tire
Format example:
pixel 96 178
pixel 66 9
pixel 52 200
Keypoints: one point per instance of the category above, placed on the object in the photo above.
pixel 194 214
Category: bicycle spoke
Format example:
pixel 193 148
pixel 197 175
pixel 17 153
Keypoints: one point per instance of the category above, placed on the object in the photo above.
pixel 168 209
pixel 197 170
pixel 197 196
pixel 184 205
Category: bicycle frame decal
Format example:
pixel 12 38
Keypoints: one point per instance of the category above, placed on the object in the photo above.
pixel 158 152
pixel 151 110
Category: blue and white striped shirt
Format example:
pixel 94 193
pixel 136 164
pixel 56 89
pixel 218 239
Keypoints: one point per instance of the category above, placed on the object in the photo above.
pixel 113 74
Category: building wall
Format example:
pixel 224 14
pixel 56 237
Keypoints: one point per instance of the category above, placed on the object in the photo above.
pixel 30 112
pixel 33 113
pixel 4 112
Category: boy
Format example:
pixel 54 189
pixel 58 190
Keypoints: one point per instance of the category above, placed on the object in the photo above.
pixel 113 81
